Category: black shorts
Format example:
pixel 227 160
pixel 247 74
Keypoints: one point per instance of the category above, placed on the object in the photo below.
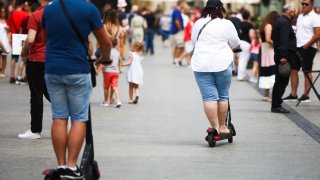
pixel 305 59
pixel 15 57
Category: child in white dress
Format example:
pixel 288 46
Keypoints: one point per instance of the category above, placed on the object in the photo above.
pixel 135 72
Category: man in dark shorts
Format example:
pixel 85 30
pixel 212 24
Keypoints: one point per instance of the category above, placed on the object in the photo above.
pixel 308 33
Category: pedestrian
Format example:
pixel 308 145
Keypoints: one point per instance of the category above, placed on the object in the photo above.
pixel 308 33
pixel 67 76
pixel 187 39
pixel 138 26
pixel 254 56
pixel 114 30
pixel 124 23
pixel 212 61
pixel 267 65
pixel 30 8
pixel 111 76
pixel 135 71
pixel 34 53
pixel 246 29
pixel 150 31
pixel 14 22
pixel 284 43
pixel 176 30
pixel 164 29
pixel 4 38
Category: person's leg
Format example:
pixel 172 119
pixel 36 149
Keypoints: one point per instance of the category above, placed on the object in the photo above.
pixel 36 82
pixel 3 65
pixel 78 92
pixel 76 137
pixel 278 89
pixel 59 139
pixel 12 68
pixel 294 82
pixel 60 114
pixel 151 39
pixel 211 110
pixel 307 85
pixel 130 92
pixel 222 115
pixel 243 60
pixel 20 69
pixel 255 69
pixel 223 83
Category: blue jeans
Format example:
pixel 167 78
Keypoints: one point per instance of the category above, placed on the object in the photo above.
pixel 214 86
pixel 69 95
pixel 149 40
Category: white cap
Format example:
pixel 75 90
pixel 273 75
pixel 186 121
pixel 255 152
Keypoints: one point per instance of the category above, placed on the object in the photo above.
pixel 122 3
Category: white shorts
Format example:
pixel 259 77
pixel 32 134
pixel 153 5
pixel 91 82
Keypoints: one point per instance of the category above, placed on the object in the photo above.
pixel 188 47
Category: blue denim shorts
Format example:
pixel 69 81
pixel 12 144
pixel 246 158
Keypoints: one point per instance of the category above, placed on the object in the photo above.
pixel 69 95
pixel 214 86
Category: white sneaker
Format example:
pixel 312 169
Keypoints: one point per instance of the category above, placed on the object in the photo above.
pixel 29 135
pixel 118 105
pixel 177 62
pixel 103 104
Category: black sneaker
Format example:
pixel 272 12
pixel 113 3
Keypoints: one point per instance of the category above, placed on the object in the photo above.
pixel 304 98
pixel 20 82
pixel 70 174
pixel 290 98
pixel 61 172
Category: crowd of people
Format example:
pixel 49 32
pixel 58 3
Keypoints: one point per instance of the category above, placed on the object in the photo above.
pixel 57 67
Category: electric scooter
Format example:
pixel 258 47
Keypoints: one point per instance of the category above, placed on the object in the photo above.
pixel 214 136
pixel 88 165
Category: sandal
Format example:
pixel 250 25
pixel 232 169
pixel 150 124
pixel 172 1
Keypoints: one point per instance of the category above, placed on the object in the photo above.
pixel 136 100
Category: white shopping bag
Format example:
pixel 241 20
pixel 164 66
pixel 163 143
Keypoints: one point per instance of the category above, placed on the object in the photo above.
pixel 17 43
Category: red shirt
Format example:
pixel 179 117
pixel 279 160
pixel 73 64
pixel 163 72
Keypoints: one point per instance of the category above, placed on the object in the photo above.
pixel 15 19
pixel 37 51
pixel 188 32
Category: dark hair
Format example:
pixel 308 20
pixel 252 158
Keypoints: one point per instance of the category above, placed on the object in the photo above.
pixel 19 2
pixel 269 19
pixel 110 16
pixel 213 12
pixel 245 14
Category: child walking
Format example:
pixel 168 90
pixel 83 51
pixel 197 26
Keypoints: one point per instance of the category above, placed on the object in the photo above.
pixel 135 72
pixel 254 56
pixel 111 77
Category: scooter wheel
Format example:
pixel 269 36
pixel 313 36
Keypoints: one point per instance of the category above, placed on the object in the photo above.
pixel 230 140
pixel 211 140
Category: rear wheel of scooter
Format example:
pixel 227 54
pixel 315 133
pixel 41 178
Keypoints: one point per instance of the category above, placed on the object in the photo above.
pixel 230 140
pixel 95 170
pixel 211 140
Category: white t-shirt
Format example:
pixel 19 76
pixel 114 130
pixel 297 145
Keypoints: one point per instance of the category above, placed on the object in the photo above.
pixel 213 50
pixel 114 67
pixel 305 25
pixel 165 22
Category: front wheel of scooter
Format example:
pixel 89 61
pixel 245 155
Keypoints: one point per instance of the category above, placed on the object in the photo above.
pixel 230 140
pixel 211 140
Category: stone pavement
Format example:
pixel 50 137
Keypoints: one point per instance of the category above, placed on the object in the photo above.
pixel 163 136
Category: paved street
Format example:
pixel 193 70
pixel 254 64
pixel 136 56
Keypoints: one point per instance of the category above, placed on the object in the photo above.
pixel 163 136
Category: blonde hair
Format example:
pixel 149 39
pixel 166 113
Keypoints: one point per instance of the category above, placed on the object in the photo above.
pixel 139 46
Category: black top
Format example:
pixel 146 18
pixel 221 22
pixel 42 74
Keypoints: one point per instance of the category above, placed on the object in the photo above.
pixel 244 31
pixel 151 20
pixel 283 37
pixel 236 22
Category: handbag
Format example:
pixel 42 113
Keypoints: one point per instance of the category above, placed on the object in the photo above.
pixel 192 51
pixel 91 65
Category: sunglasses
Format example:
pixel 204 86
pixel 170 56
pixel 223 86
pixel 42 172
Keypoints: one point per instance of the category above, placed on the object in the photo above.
pixel 305 4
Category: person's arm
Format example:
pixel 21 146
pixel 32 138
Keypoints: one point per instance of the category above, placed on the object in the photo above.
pixel 129 61
pixel 267 33
pixel 3 48
pixel 28 42
pixel 234 41
pixel 315 38
pixel 284 32
pixel 105 45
